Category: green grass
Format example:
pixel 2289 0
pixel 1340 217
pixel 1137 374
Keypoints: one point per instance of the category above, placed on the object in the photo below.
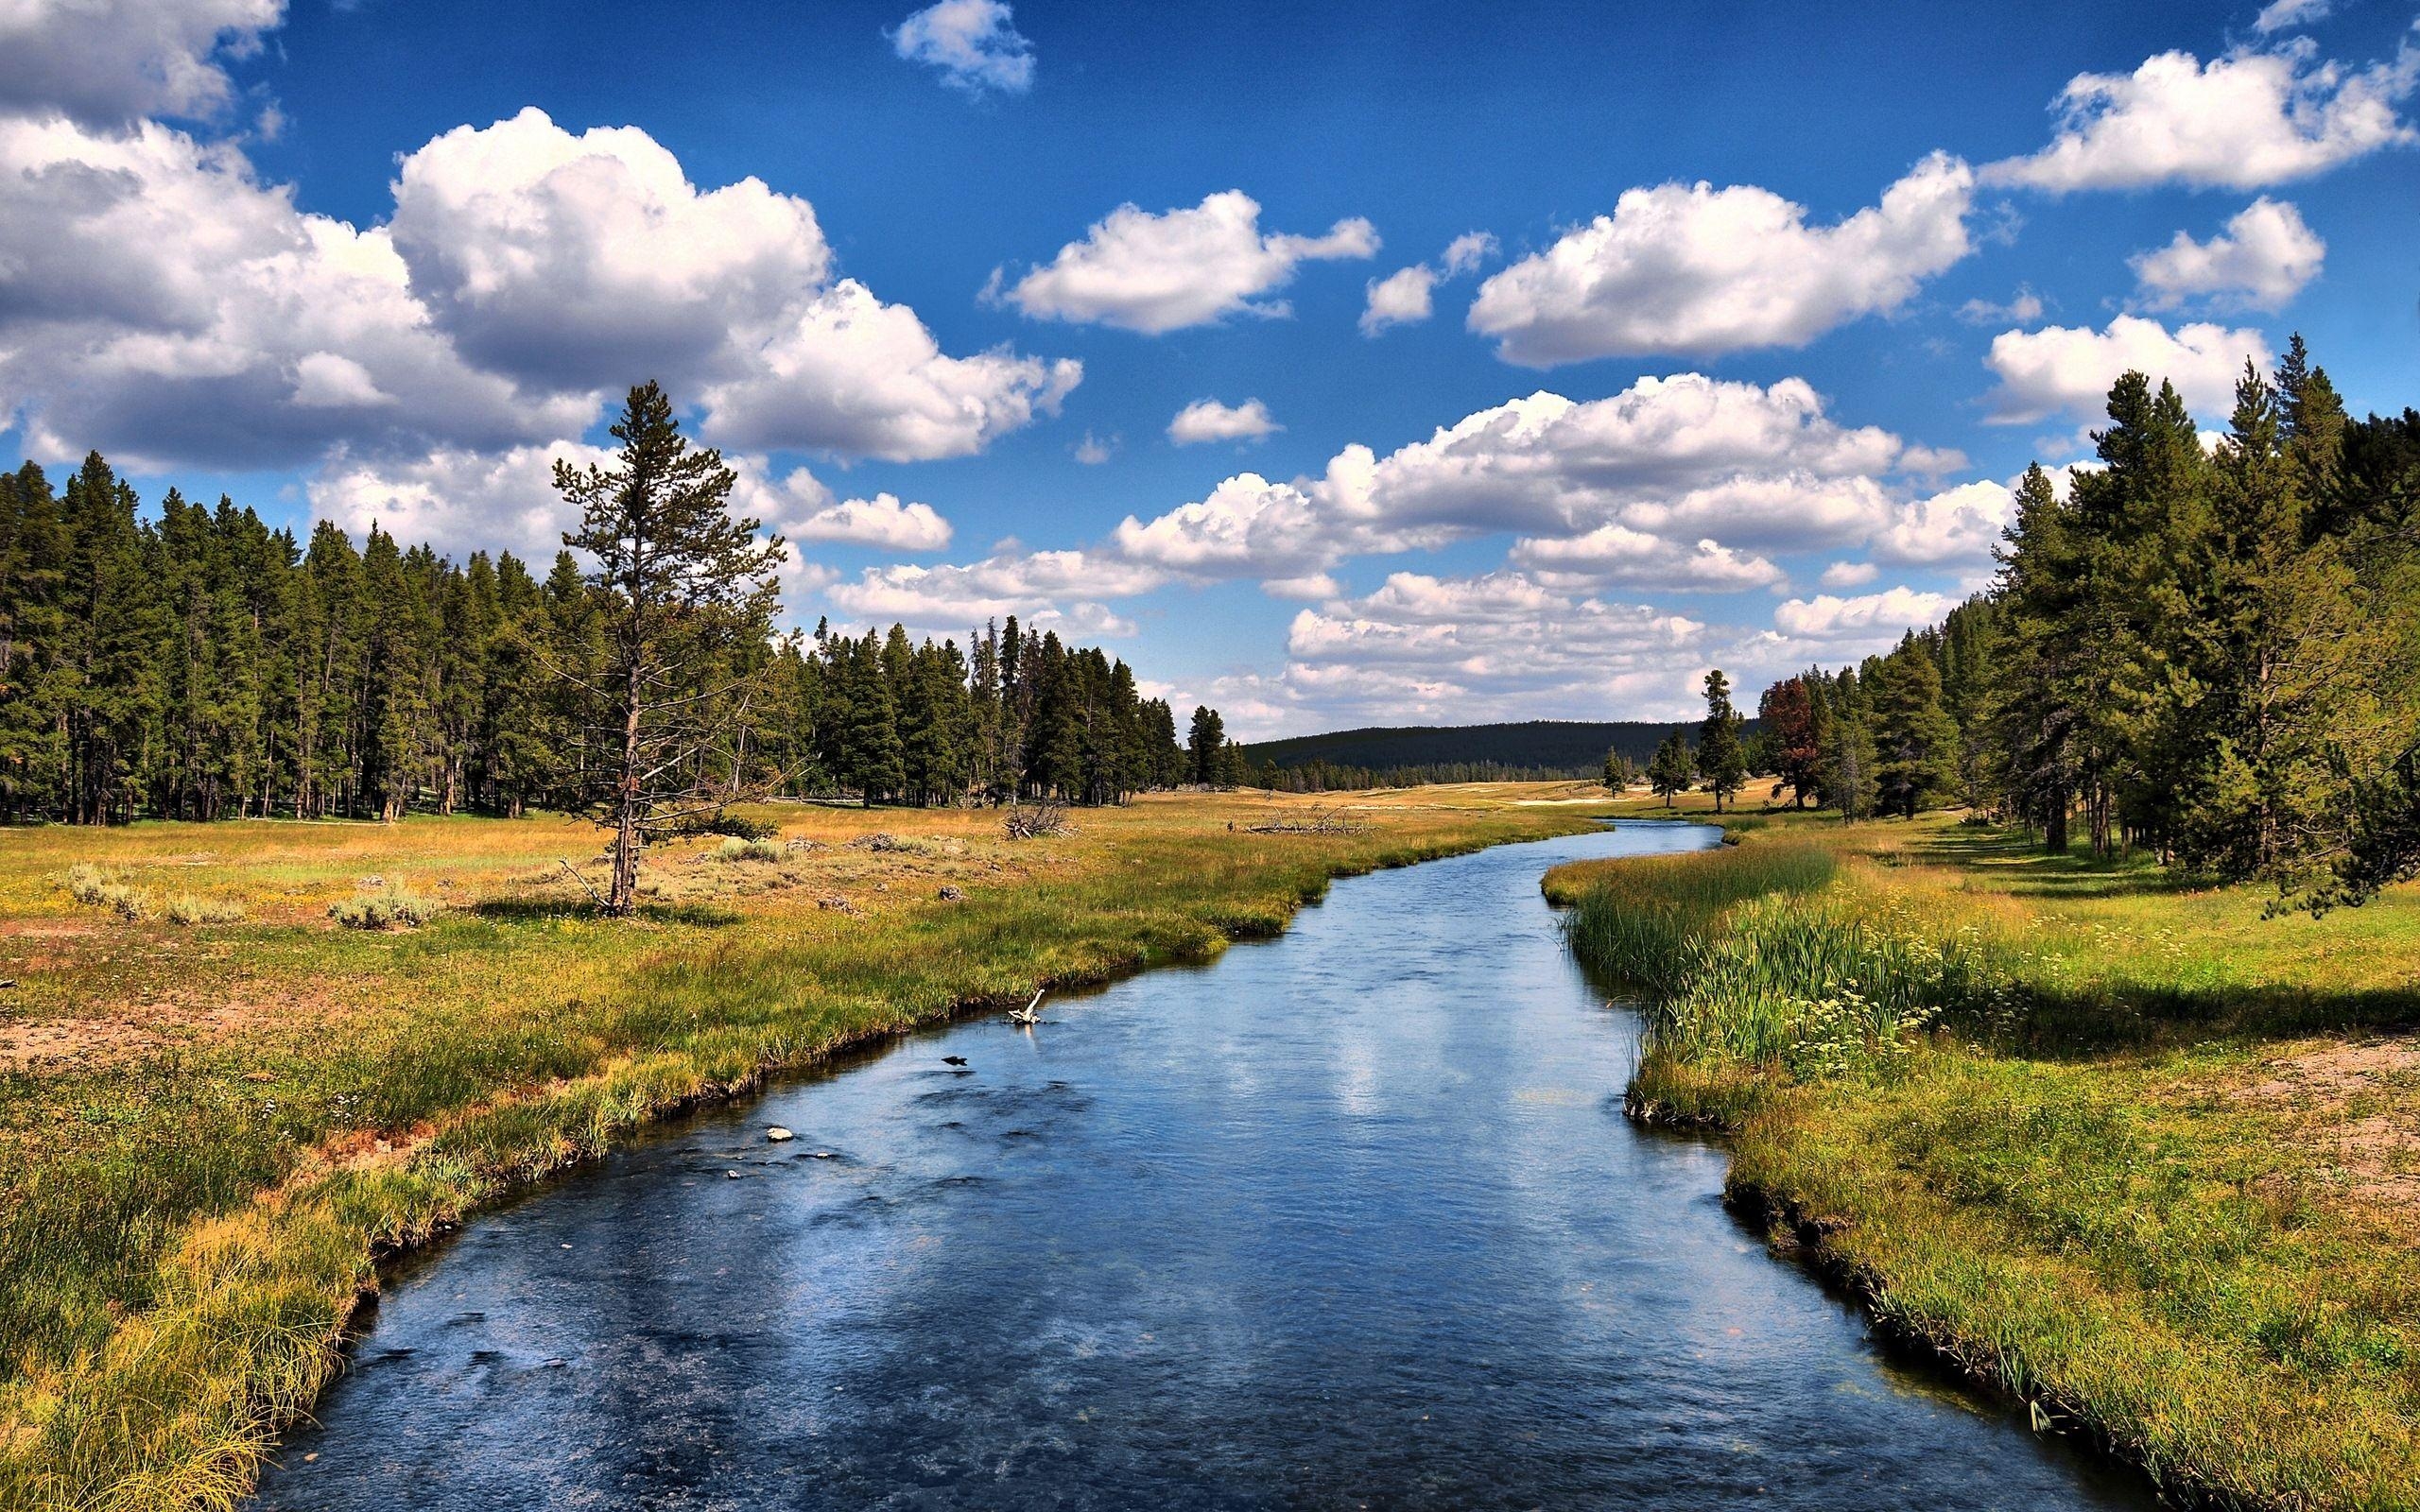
pixel 190 1207
pixel 2115 1144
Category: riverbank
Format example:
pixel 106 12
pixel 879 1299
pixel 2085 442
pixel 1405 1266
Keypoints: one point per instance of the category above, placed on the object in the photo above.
pixel 211 1130
pixel 2121 1147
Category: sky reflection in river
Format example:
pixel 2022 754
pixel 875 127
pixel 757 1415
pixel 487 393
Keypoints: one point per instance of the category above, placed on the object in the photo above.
pixel 1351 1218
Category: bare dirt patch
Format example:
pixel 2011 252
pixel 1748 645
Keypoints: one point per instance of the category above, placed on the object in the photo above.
pixel 129 1032
pixel 2362 1097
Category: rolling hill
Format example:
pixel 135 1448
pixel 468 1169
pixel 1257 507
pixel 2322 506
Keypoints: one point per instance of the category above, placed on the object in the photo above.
pixel 1561 747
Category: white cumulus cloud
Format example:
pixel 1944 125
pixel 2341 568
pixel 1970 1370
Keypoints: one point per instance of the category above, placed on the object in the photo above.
pixel 1061 589
pixel 849 373
pixel 974 43
pixel 1206 419
pixel 586 262
pixel 881 521
pixel 577 261
pixel 1405 297
pixel 458 501
pixel 1678 481
pixel 1155 273
pixel 1616 555
pixel 1455 649
pixel 1401 298
pixel 2024 307
pixel 1885 616
pixel 1698 270
pixel 2284 15
pixel 1465 252
pixel 2244 120
pixel 2261 260
pixel 159 302
pixel 2068 369
pixel 1958 524
pixel 108 62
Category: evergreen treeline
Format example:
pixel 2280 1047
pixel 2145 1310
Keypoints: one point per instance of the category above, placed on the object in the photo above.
pixel 1549 750
pixel 201 666
pixel 1322 776
pixel 2211 654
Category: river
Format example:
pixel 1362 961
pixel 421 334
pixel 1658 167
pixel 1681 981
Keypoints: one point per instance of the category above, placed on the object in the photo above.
pixel 1349 1218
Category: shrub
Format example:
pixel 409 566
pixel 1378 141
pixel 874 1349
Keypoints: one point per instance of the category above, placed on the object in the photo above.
pixel 733 825
pixel 736 849
pixel 97 887
pixel 190 908
pixel 391 908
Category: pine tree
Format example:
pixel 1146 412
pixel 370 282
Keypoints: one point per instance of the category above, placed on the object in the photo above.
pixel 1720 758
pixel 679 583
pixel 1915 741
pixel 872 761
pixel 1208 736
pixel 1969 644
pixel 36 679
pixel 1849 760
pixel 1673 768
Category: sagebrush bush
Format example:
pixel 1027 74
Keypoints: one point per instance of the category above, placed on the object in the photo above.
pixel 97 887
pixel 735 849
pixel 390 908
pixel 191 908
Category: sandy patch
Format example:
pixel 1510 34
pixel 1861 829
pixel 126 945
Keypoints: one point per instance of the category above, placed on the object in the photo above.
pixel 2363 1097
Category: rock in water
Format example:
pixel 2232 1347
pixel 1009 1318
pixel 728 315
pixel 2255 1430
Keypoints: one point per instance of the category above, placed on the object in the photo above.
pixel 778 1135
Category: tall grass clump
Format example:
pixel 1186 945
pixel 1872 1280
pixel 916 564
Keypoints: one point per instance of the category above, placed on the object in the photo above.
pixel 1761 961
pixel 391 907
pixel 1641 920
pixel 1826 984
pixel 100 888
pixel 193 908
pixel 737 849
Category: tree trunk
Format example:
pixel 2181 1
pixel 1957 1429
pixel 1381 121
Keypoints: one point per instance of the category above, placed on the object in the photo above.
pixel 626 827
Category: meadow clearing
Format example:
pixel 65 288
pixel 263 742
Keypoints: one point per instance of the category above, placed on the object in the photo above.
pixel 2127 1149
pixel 219 1103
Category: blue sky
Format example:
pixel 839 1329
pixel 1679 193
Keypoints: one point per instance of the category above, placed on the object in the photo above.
pixel 1799 289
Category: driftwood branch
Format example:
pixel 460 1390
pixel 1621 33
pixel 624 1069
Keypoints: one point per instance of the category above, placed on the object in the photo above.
pixel 582 881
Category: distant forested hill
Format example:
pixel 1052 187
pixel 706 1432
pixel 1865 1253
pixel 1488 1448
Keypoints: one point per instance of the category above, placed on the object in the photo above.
pixel 1537 747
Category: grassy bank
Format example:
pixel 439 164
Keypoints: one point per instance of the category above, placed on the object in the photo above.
pixel 218 1104
pixel 2119 1145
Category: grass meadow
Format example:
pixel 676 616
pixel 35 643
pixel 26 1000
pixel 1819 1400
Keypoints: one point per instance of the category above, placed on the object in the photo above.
pixel 2122 1147
pixel 240 1062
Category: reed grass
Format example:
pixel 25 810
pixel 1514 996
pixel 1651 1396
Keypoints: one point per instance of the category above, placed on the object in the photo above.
pixel 389 907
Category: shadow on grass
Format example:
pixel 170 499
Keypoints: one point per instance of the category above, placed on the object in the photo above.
pixel 2096 1022
pixel 535 910
pixel 2018 863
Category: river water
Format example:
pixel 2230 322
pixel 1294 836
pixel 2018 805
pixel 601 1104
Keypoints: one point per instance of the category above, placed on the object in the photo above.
pixel 1351 1218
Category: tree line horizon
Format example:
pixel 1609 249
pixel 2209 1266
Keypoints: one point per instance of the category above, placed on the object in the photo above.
pixel 2207 652
pixel 200 665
